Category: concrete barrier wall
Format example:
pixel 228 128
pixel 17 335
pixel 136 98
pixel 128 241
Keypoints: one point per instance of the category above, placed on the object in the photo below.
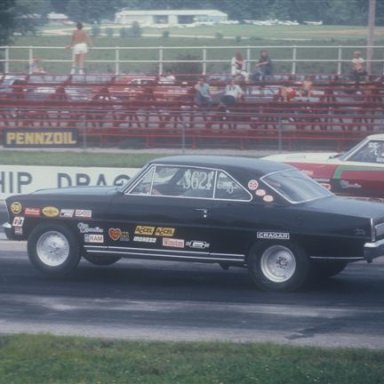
pixel 16 179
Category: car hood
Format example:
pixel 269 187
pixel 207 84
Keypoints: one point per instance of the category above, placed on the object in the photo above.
pixel 84 196
pixel 78 191
pixel 305 157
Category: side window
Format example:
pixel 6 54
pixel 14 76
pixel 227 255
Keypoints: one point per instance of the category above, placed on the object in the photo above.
pixel 182 182
pixel 197 182
pixel 229 189
pixel 143 187
pixel 163 181
pixel 372 152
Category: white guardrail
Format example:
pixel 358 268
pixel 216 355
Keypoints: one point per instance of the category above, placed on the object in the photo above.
pixel 118 60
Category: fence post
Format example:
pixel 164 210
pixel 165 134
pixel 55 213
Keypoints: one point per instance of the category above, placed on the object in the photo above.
pixel 280 136
pixel 6 60
pixel 339 59
pixel 30 59
pixel 294 57
pixel 204 60
pixel 248 59
pixel 161 54
pixel 117 61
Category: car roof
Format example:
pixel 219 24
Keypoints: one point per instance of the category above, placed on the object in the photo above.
pixel 228 163
pixel 378 136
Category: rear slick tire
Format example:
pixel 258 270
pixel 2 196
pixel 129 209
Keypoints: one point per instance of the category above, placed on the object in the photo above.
pixel 278 266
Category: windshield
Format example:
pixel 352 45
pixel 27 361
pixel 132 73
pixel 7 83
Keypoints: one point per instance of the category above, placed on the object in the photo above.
pixel 295 186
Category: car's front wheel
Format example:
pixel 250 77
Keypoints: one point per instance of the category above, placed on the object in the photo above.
pixel 278 266
pixel 53 249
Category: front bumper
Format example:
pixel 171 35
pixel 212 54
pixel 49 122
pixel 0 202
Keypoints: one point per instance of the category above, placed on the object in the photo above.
pixel 373 250
pixel 8 231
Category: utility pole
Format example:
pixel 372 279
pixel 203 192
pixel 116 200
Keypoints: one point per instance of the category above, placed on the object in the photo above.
pixel 371 32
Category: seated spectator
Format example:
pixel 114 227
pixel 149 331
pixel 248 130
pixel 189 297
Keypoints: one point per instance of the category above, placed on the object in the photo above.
pixel 358 66
pixel 287 93
pixel 306 87
pixel 202 96
pixel 239 67
pixel 232 94
pixel 36 66
pixel 263 67
pixel 167 78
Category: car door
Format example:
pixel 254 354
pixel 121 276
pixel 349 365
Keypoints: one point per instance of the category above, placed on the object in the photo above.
pixel 166 211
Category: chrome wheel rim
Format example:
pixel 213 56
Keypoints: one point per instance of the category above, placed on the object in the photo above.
pixel 278 264
pixel 52 248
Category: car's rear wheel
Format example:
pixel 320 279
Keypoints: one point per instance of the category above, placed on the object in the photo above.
pixel 278 266
pixel 101 259
pixel 53 249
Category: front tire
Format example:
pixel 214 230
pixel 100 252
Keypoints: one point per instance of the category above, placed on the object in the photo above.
pixel 278 266
pixel 53 249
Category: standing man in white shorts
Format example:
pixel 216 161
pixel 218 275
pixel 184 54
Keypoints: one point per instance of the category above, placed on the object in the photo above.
pixel 79 43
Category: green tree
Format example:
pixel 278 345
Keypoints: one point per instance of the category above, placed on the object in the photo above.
pixel 342 12
pixel 21 16
pixel 8 14
pixel 91 10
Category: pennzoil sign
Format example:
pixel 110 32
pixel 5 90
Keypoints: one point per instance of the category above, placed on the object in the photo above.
pixel 40 138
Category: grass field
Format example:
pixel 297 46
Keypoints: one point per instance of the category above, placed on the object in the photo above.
pixel 44 359
pixel 246 31
pixel 279 39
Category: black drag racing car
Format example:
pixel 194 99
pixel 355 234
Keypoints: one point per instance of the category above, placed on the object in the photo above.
pixel 263 215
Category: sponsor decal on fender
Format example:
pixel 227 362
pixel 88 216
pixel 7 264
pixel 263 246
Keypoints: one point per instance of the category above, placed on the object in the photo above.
pixel 197 244
pixel 261 192
pixel 16 208
pixel 50 211
pixel 18 221
pixel 253 185
pixel 117 234
pixel 114 233
pixel 144 230
pixel 85 228
pixel 67 213
pixel 273 235
pixel 18 230
pixel 145 239
pixel 32 211
pixel 165 231
pixel 174 243
pixel 150 230
pixel 268 198
pixel 85 213
pixel 93 238
pixel 345 184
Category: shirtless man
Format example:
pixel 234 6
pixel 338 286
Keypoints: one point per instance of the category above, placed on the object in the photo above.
pixel 79 44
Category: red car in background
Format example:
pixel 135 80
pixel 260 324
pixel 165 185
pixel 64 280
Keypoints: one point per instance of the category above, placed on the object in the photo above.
pixel 358 172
